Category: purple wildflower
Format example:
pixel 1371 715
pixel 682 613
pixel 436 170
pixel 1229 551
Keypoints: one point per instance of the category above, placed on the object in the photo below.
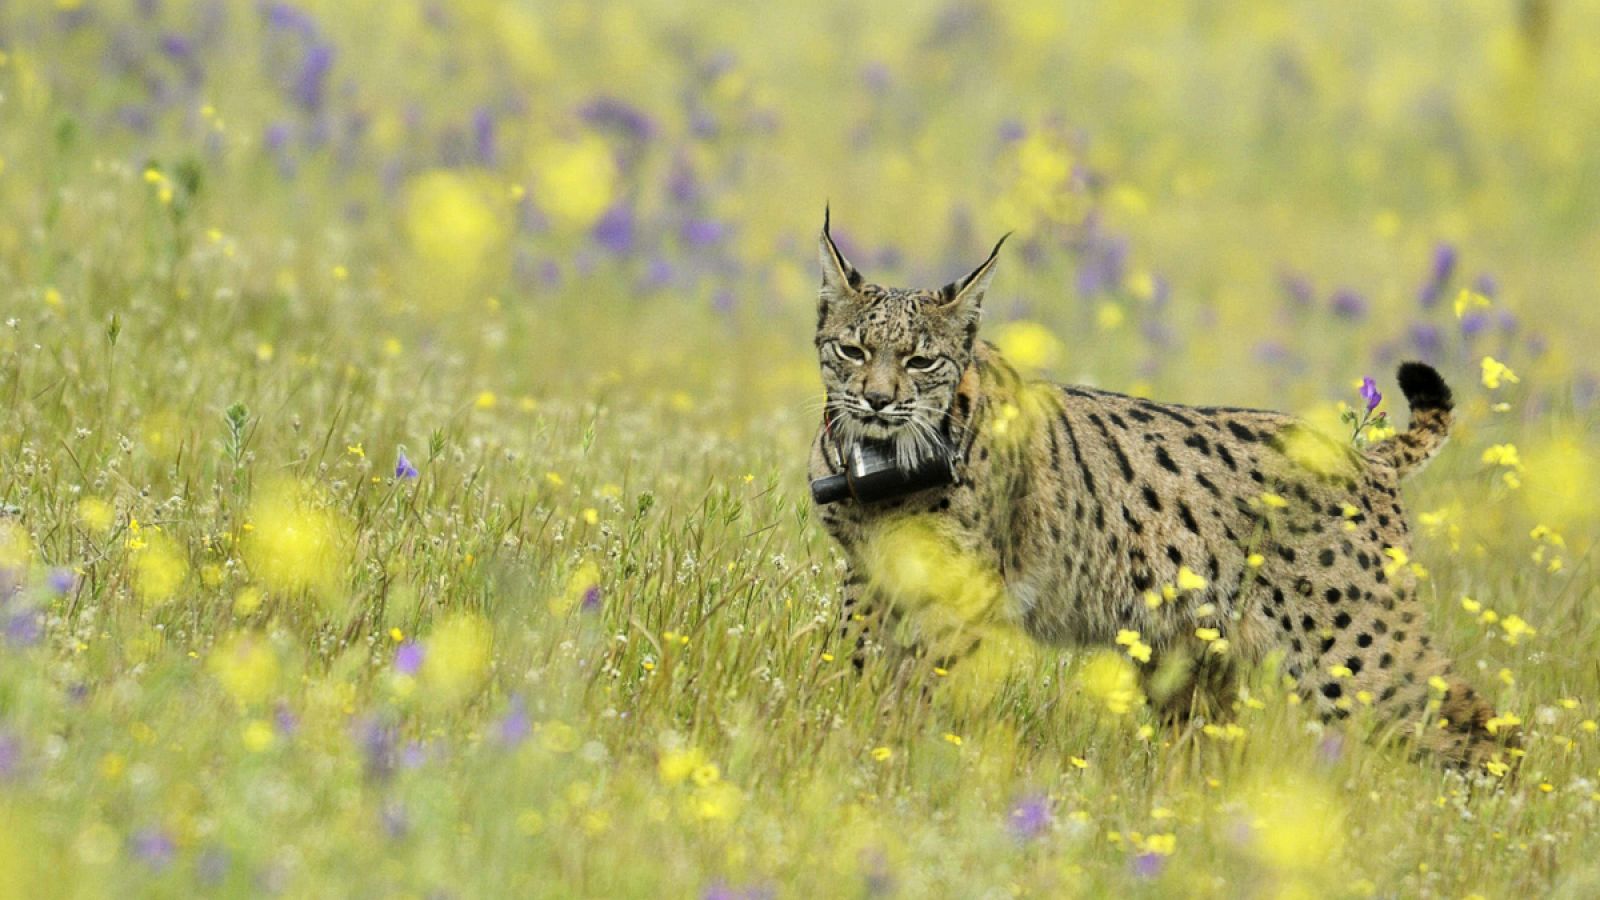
pixel 1473 323
pixel 591 600
pixel 1149 865
pixel 1298 289
pixel 1444 265
pixel 619 116
pixel 1425 335
pixel 61 580
pixel 615 230
pixel 311 82
pixel 154 847
pixel 703 232
pixel 408 658
pixel 657 274
pixel 24 627
pixel 403 467
pixel 514 726
pixel 682 183
pixel 1348 304
pixel 1369 393
pixel 1486 285
pixel 1010 131
pixel 877 77
pixel 286 721
pixel 10 754
pixel 276 136
pixel 483 135
pixel 1029 818
pixel 176 46
pixel 377 747
pixel 1102 268
pixel 287 17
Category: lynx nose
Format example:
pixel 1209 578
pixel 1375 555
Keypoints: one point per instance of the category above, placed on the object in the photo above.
pixel 877 400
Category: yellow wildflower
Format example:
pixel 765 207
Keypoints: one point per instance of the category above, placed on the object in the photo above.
pixel 1495 373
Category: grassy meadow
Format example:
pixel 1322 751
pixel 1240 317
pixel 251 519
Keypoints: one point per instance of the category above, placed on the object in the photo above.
pixel 404 410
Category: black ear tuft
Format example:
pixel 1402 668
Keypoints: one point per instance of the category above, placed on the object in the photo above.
pixel 1424 387
pixel 968 292
pixel 837 272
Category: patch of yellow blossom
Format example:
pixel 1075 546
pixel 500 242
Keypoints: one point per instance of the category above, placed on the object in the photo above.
pixel 456 224
pixel 16 547
pixel 1562 482
pixel 583 579
pixel 95 514
pixel 1296 825
pixel 247 666
pixel 1548 540
pixel 1028 345
pixel 1039 188
pixel 945 589
pixel 1314 447
pixel 297 543
pixel 159 563
pixel 1137 649
pixel 574 181
pixel 1189 580
pixel 1110 680
pixel 1398 560
pixel 1505 455
pixel 458 655
pixel 711 799
pixel 1496 373
pixel 1469 299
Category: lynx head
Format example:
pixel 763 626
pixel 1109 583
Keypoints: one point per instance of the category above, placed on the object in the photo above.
pixel 892 358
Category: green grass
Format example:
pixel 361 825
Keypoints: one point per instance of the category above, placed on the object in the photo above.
pixel 213 353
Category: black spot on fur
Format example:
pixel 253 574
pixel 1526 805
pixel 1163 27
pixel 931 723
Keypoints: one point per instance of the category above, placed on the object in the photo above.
pixel 1151 498
pixel 1227 458
pixel 1241 432
pixel 1198 442
pixel 1326 557
pixel 1187 517
pixel 1116 448
pixel 1166 461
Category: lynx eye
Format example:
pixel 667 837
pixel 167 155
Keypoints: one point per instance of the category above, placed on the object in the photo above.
pixel 850 352
pixel 920 363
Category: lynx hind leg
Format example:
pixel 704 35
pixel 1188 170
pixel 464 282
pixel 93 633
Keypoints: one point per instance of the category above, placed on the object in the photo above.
pixel 1373 651
pixel 1183 687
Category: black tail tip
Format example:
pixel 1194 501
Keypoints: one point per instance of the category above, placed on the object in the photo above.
pixel 1423 387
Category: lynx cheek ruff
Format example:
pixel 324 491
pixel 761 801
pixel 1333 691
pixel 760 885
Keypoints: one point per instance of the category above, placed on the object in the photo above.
pixel 873 473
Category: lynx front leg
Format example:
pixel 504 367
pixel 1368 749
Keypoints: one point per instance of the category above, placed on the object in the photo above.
pixel 910 637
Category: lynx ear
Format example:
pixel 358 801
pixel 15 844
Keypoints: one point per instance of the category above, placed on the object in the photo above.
pixel 839 278
pixel 965 297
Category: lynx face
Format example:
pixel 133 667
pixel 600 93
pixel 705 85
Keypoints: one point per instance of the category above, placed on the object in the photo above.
pixel 892 358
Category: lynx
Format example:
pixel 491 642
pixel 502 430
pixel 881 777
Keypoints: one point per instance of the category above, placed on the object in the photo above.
pixel 1096 514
